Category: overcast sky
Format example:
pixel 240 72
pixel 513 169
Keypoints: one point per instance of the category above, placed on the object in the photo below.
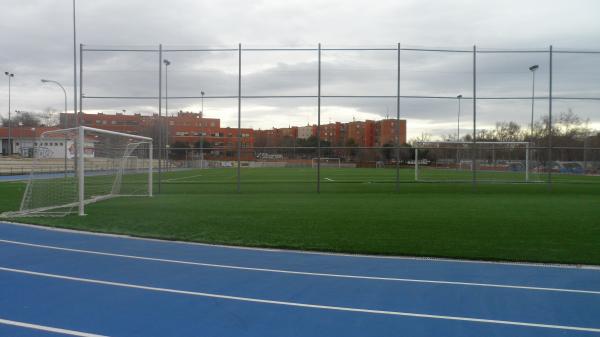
pixel 36 42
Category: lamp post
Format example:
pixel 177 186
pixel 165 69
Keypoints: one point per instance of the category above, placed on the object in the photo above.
pixel 10 76
pixel 167 64
pixel 202 131
pixel 459 97
pixel 65 92
pixel 64 119
pixel 533 68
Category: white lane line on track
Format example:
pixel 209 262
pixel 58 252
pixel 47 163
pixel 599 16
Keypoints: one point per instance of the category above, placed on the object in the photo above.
pixel 186 177
pixel 48 328
pixel 302 305
pixel 292 272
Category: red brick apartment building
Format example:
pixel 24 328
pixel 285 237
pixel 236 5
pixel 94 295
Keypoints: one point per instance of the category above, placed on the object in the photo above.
pixel 275 137
pixel 385 132
pixel 186 129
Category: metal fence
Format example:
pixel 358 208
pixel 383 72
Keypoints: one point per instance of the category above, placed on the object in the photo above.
pixel 426 86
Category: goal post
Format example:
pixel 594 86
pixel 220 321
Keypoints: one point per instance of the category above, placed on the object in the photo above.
pixel 493 161
pixel 98 164
pixel 327 162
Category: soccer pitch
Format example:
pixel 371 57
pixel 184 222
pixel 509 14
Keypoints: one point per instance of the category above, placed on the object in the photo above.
pixel 357 211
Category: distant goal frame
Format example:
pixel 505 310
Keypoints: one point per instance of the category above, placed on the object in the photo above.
pixel 472 147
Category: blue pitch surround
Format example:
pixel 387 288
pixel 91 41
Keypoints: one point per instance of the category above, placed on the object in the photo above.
pixel 63 283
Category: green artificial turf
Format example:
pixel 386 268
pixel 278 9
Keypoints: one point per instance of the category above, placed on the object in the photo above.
pixel 357 211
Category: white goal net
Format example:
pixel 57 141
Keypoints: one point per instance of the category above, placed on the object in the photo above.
pixel 483 161
pixel 327 162
pixel 82 166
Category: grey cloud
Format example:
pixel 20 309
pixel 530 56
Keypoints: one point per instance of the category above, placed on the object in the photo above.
pixel 35 37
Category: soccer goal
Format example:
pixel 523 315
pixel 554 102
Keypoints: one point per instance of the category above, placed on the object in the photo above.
pixel 484 161
pixel 327 162
pixel 98 165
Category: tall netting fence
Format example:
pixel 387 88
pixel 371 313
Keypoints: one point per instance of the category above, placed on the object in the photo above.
pixel 338 118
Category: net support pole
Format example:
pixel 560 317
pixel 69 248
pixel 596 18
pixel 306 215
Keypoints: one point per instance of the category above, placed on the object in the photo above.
pixel 319 121
pixel 474 158
pixel 398 122
pixel 80 169
pixel 527 162
pixel 550 122
pixel 239 143
pixel 80 115
pixel 160 126
pixel 417 163
pixel 74 67
pixel 150 167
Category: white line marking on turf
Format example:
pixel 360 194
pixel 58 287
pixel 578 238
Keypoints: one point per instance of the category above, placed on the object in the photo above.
pixel 48 328
pixel 306 252
pixel 186 177
pixel 292 272
pixel 302 305
pixel 328 179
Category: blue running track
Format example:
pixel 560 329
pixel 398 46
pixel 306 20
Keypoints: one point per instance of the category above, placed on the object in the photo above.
pixel 66 283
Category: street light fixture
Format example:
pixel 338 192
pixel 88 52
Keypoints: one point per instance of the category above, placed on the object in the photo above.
pixel 167 64
pixel 64 120
pixel 202 104
pixel 10 76
pixel 459 97
pixel 65 92
pixel 533 68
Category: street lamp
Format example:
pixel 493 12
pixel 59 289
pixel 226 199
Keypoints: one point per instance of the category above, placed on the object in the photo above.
pixel 202 131
pixel 533 68
pixel 459 97
pixel 167 64
pixel 10 76
pixel 202 104
pixel 64 120
pixel 65 92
